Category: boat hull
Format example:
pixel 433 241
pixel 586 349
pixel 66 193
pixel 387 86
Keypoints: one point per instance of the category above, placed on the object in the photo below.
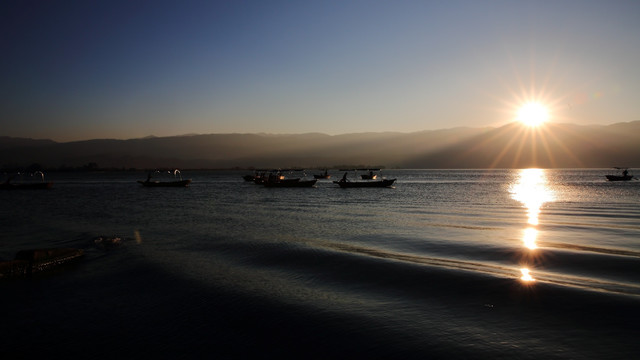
pixel 619 177
pixel 366 184
pixel 179 183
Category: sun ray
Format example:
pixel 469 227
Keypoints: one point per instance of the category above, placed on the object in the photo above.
pixel 547 148
pixel 553 136
pixel 504 150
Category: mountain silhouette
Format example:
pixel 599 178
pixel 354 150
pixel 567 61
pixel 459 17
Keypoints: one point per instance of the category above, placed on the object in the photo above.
pixel 510 146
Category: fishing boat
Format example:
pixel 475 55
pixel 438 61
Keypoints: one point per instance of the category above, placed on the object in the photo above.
pixel 8 185
pixel 267 175
pixel 346 183
pixel 371 175
pixel 623 175
pixel 324 175
pixel 256 177
pixel 277 179
pixel 366 184
pixel 174 183
pixel 177 183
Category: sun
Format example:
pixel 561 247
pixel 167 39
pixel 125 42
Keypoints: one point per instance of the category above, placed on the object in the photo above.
pixel 533 114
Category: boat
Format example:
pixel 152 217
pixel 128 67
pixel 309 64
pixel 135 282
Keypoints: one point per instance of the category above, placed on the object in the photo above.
pixel 255 177
pixel 346 183
pixel 371 175
pixel 267 175
pixel 366 184
pixel 622 176
pixel 175 183
pixel 8 185
pixel 277 179
pixel 324 175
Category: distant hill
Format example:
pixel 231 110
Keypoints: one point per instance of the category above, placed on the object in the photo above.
pixel 12 142
pixel 557 146
pixel 509 146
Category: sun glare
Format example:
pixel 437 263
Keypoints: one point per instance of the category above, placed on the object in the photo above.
pixel 533 114
pixel 526 276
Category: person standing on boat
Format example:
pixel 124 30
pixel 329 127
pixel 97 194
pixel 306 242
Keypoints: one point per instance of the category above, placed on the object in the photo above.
pixel 625 172
pixel 344 178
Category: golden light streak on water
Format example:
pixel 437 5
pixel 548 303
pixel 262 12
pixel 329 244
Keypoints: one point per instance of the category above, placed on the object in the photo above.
pixel 529 238
pixel 532 191
pixel 526 276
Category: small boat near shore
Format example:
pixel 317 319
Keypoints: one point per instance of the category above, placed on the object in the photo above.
pixel 366 184
pixel 178 183
pixel 157 183
pixel 623 175
pixel 370 175
pixel 346 183
pixel 277 179
pixel 38 185
pixel 324 175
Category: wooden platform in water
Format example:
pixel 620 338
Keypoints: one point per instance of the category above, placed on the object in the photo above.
pixel 32 261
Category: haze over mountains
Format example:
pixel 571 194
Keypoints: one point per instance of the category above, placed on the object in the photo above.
pixel 509 146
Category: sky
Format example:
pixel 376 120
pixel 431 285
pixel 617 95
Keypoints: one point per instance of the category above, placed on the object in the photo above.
pixel 75 70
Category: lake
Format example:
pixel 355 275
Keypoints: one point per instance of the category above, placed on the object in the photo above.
pixel 446 264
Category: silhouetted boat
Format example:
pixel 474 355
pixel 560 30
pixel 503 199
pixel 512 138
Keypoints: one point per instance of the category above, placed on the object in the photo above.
pixel 324 175
pixel 257 175
pixel 346 183
pixel 369 176
pixel 623 176
pixel 277 179
pixel 175 183
pixel 365 184
pixel 8 185
pixel 263 176
pixel 178 183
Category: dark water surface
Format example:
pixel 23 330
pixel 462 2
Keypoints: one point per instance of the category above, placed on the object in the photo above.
pixel 433 268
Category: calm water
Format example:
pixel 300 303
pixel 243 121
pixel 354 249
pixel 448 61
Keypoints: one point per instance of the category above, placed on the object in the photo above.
pixel 448 264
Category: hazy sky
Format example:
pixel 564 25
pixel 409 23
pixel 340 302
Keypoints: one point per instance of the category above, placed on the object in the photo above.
pixel 123 69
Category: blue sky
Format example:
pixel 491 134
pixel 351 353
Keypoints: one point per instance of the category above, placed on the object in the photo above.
pixel 123 69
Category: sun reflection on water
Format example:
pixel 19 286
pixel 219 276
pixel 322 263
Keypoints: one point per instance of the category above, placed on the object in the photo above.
pixel 529 238
pixel 532 191
pixel 526 276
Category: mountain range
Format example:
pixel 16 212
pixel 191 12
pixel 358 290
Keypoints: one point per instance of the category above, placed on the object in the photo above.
pixel 509 146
